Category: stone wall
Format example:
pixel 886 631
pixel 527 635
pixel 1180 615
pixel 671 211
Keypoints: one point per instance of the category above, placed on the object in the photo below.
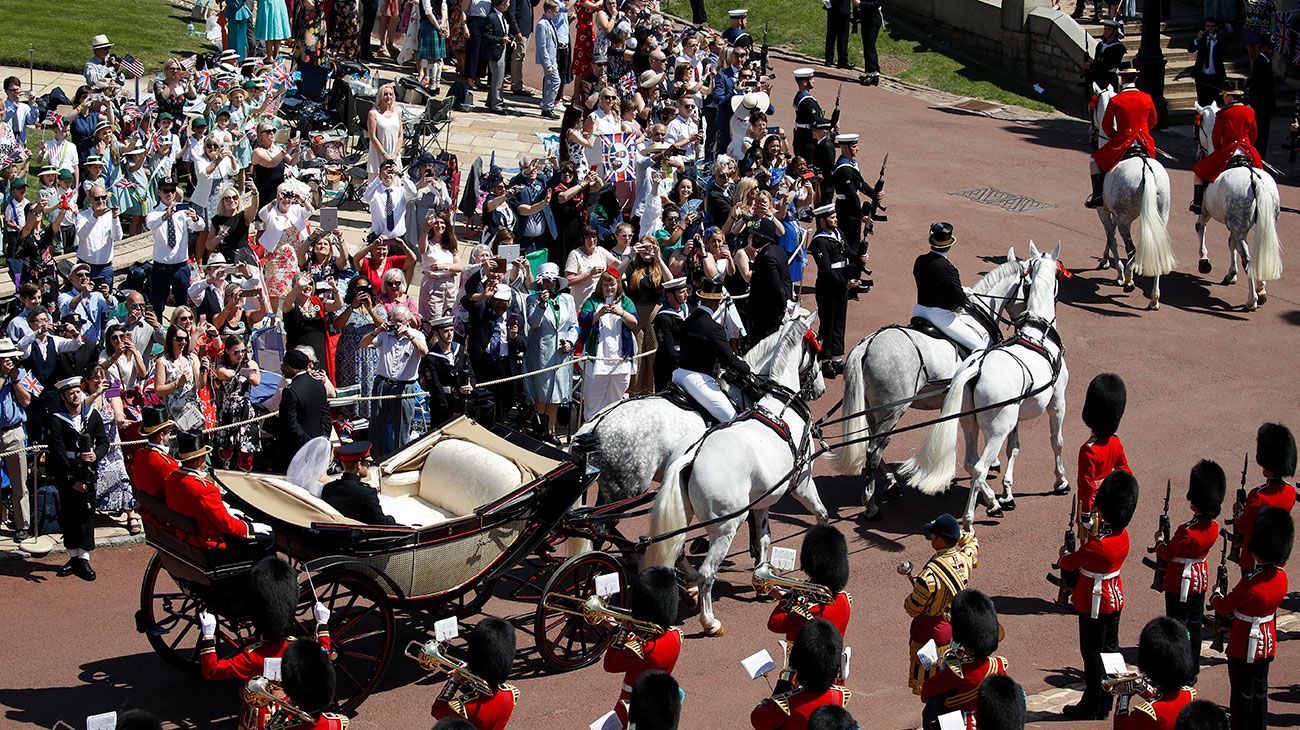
pixel 1024 39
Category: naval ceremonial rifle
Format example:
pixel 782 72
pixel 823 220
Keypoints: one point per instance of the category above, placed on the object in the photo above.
pixel 876 211
pixel 1159 565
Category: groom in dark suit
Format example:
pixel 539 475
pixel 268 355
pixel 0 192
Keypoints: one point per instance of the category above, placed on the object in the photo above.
pixel 498 34
pixel 304 409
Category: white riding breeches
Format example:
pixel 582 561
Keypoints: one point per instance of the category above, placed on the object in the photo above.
pixel 962 328
pixel 705 390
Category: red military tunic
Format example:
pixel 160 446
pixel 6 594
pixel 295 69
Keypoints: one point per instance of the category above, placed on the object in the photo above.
pixel 1097 458
pixel 484 713
pixel 1188 572
pixel 961 684
pixel 769 715
pixel 1234 131
pixel 191 494
pixel 787 622
pixel 249 662
pixel 149 470
pixel 1276 493
pixel 1151 711
pixel 660 652
pixel 1129 118
pixel 1253 604
pixel 1099 589
pixel 257 712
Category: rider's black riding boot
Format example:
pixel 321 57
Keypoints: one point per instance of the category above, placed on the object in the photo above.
pixel 1095 200
pixel 1198 195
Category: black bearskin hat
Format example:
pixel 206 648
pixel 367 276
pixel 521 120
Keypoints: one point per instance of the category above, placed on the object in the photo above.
pixel 273 590
pixel 1103 406
pixel 656 702
pixel 1272 535
pixel 1000 704
pixel 1165 655
pixel 1275 449
pixel 655 596
pixel 831 717
pixel 815 657
pixel 453 723
pixel 492 650
pixel 1117 498
pixel 1202 715
pixel 826 557
pixel 308 675
pixel 1206 487
pixel 975 622
pixel 138 720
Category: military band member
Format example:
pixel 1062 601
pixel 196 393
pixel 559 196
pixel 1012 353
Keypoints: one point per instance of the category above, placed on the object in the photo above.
pixel 1098 595
pixel 1103 452
pixel 77 443
pixel 1235 130
pixel 848 183
pixel 815 661
pixel 1187 577
pixel 967 663
pixel 1275 452
pixel 825 560
pixel 1166 660
pixel 351 494
pixel 491 654
pixel 1129 119
pixel 309 685
pixel 656 702
pixel 654 599
pixel 1000 704
pixel 942 577
pixel 1202 715
pixel 834 284
pixel 807 112
pixel 1253 605
pixel 453 723
pixel 191 492
pixel 940 297
pixel 668 324
pixel 831 717
pixel 704 347
pixel 445 373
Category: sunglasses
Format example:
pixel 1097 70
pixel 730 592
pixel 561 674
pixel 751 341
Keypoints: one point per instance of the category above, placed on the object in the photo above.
pixel 392 283
pixel 99 197
pixel 186 318
pixel 287 196
pixel 182 339
pixel 230 197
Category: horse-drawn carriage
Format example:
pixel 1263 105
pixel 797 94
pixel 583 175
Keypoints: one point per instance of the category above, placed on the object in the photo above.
pixel 476 503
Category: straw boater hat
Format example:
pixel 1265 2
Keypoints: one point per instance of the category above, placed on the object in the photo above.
pixel 941 235
pixel 8 349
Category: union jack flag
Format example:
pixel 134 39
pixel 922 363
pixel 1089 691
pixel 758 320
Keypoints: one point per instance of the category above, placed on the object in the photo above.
pixel 31 384
pixel 54 119
pixel 628 83
pixel 280 77
pixel 131 112
pixel 150 379
pixel 132 66
pixel 203 80
pixel 187 63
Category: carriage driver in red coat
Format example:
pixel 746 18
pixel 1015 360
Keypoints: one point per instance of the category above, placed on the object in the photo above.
pixel 1128 121
pixel 1234 133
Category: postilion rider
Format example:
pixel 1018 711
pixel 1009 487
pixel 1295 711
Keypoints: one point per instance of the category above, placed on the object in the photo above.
pixel 1234 133
pixel 703 346
pixel 1128 122
pixel 939 293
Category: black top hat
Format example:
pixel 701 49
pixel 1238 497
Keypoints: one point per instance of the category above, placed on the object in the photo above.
pixel 825 557
pixel 190 445
pixel 154 420
pixel 941 235
pixel 710 289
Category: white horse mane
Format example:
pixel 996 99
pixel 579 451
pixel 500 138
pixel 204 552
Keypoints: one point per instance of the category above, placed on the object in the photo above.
pixel 1009 269
pixel 1042 294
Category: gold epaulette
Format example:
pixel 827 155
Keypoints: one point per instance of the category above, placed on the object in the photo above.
pixel 844 692
pixel 782 699
pixel 1138 703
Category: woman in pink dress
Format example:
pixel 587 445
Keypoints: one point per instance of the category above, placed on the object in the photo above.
pixel 284 238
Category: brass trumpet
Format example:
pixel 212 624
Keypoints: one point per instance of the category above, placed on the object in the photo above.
pixel 259 692
pixel 595 610
pixel 1125 684
pixel 766 578
pixel 430 656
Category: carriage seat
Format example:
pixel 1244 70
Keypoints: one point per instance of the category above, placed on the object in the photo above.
pixel 458 477
pixel 927 328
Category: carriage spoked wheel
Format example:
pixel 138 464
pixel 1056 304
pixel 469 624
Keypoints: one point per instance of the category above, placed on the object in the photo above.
pixel 169 619
pixel 362 631
pixel 565 640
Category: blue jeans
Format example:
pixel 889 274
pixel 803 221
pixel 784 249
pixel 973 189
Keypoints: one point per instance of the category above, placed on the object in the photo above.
pixel 101 271
pixel 391 425
pixel 167 279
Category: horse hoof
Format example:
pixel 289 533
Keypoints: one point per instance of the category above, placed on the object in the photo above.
pixel 996 513
pixel 1008 504
pixel 1263 297
pixel 1103 264
pixel 698 546
pixel 1229 280
pixel 1205 266
pixel 872 515
pixel 1153 305
pixel 1128 287
pixel 716 630
pixel 1252 306
pixel 1061 488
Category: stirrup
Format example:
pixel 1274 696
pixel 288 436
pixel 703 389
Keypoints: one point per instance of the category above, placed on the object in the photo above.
pixel 1093 201
pixel 1195 208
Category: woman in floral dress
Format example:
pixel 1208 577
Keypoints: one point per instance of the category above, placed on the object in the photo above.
pixel 113 492
pixel 235 375
pixel 584 41
pixel 287 228
pixel 345 28
pixel 354 364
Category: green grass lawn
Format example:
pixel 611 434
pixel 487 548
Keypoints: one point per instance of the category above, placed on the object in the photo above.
pixel 59 31
pixel 802 28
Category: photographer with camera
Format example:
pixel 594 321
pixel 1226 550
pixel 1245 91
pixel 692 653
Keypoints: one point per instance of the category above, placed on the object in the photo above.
pixel 90 298
pixel 20 109
pixel 401 346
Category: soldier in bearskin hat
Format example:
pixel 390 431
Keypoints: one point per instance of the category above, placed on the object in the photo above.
pixel 1187 579
pixel 1102 453
pixel 1000 704
pixel 1202 715
pixel 968 662
pixel 831 717
pixel 654 600
pixel 1098 595
pixel 825 559
pixel 309 684
pixel 1275 452
pixel 1253 604
pixel 1165 658
pixel 453 723
pixel 656 702
pixel 815 660
pixel 491 656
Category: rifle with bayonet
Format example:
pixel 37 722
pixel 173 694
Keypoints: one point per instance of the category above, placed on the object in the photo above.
pixel 1222 624
pixel 875 211
pixel 1237 508
pixel 1064 579
pixel 835 113
pixel 762 56
pixel 1159 565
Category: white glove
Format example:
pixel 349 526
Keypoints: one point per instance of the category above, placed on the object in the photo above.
pixel 260 529
pixel 207 625
pixel 321 613
pixel 236 513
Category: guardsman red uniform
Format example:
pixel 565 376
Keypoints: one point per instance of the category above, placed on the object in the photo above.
pixel 1129 118
pixel 191 493
pixel 1103 452
pixel 956 687
pixel 654 600
pixel 1234 131
pixel 942 577
pixel 815 662
pixel 1152 711
pixel 1275 451
pixel 1099 589
pixel 825 559
pixel 1253 604
pixel 791 710
pixel 484 713
pixel 786 621
pixel 1166 660
pixel 1187 573
pixel 491 654
pixel 308 685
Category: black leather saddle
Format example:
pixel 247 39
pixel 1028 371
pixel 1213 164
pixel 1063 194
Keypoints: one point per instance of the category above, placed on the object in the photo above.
pixel 1137 149
pixel 1239 159
pixel 927 328
pixel 680 398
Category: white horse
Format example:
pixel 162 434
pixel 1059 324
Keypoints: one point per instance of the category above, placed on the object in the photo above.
pixel 1243 198
pixel 1137 189
pixel 1012 382
pixel 733 464
pixel 1096 135
pixel 895 364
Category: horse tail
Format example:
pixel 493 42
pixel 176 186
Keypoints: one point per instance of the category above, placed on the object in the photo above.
pixel 1155 257
pixel 932 468
pixel 1268 250
pixel 850 458
pixel 671 512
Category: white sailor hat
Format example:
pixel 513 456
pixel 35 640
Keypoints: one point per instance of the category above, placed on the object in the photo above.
pixel 675 284
pixel 440 322
pixel 846 139
pixel 738 13
pixel 802 73
pixel 502 293
pixel 68 383
pixel 824 209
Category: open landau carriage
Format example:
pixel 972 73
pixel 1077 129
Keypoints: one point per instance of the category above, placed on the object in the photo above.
pixel 490 503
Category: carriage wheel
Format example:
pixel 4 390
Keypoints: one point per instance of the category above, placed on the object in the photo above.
pixel 362 630
pixel 169 618
pixel 564 640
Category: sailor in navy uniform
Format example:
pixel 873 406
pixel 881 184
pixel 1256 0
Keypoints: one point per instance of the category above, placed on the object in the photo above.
pixel 824 155
pixel 833 285
pixel 939 293
pixel 445 373
pixel 76 444
pixel 668 324
pixel 738 34
pixel 807 112
pixel 703 347
pixel 848 183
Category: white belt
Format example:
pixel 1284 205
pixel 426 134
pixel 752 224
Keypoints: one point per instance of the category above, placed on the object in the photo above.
pixel 803 126
pixel 1097 580
pixel 1186 583
pixel 1256 634
pixel 839 264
